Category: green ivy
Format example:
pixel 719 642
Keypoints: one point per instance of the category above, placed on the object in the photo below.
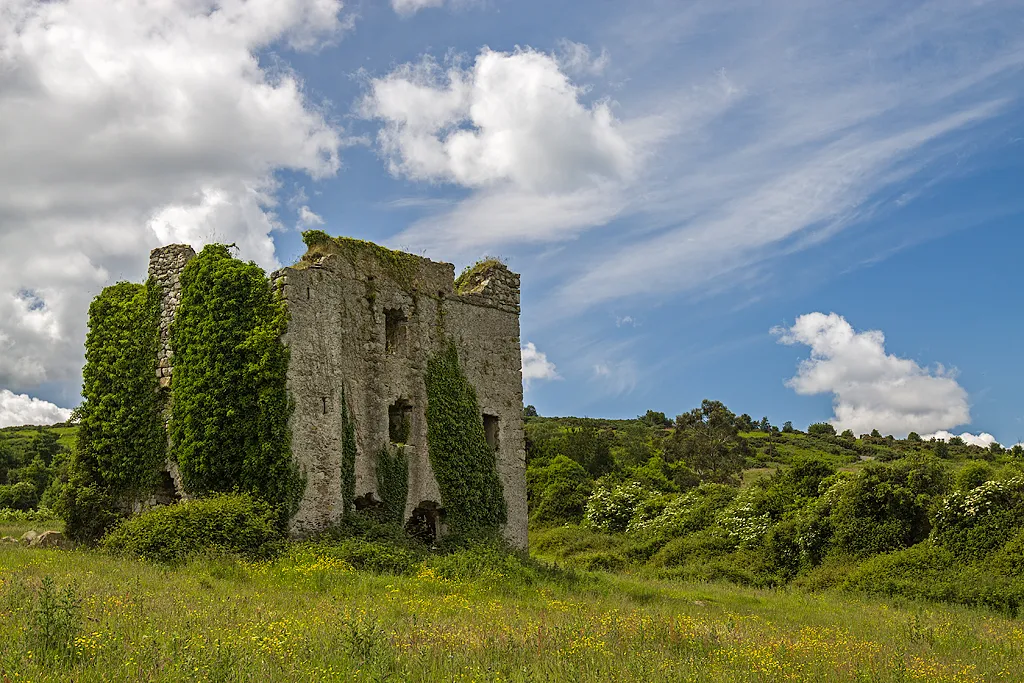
pixel 463 462
pixel 121 441
pixel 348 456
pixel 393 480
pixel 230 407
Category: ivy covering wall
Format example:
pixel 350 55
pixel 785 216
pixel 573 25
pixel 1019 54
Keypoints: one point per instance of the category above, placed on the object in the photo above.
pixel 230 407
pixel 393 480
pixel 463 463
pixel 348 456
pixel 121 440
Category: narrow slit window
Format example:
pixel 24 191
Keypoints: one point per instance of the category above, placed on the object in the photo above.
pixel 491 430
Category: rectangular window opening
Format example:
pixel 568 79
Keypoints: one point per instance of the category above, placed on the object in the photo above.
pixel 491 430
pixel 394 329
pixel 399 421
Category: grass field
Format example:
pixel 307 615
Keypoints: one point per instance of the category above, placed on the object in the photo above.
pixel 310 616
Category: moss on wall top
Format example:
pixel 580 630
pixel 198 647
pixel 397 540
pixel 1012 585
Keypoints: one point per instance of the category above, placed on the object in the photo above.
pixel 402 267
pixel 472 276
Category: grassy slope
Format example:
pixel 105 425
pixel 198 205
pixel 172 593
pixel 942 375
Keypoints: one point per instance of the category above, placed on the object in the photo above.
pixel 20 437
pixel 311 618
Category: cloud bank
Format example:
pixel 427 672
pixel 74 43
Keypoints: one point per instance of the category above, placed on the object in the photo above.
pixel 872 389
pixel 21 409
pixel 124 124
pixel 984 439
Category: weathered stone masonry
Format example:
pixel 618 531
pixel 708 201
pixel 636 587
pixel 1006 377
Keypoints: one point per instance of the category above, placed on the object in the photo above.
pixel 357 323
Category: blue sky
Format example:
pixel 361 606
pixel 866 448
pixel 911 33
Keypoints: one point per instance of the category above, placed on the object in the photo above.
pixel 683 186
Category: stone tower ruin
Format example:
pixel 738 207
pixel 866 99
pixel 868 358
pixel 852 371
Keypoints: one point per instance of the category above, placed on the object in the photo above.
pixel 363 322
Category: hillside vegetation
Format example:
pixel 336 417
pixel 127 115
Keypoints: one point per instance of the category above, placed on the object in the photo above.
pixel 713 496
pixel 708 547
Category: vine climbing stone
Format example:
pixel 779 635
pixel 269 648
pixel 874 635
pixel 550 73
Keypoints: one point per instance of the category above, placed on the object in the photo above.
pixel 392 364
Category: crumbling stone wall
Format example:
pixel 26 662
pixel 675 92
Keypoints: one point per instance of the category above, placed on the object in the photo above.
pixel 356 323
pixel 165 267
pixel 360 323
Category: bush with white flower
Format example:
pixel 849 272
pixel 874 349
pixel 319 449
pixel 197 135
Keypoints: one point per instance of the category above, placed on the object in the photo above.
pixel 973 523
pixel 691 511
pixel 611 507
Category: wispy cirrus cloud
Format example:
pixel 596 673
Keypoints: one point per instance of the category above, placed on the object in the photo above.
pixel 786 129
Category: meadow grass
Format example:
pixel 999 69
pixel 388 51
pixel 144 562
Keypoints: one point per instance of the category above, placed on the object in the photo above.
pixel 89 616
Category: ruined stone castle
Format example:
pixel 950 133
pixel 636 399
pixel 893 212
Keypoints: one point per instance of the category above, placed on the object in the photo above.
pixel 365 321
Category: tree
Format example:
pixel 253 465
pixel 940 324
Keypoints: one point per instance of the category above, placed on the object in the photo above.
pixel 655 418
pixel 941 449
pixel 636 447
pixel 821 429
pixel 787 427
pixel 957 442
pixel 707 440
pixel 745 423
pixel 764 425
pixel 848 434
pixel 558 492
pixel 1017 451
pixel 587 446
pixel 529 411
pixel 914 437
pixel 875 434
pixel 995 448
pixel 46 446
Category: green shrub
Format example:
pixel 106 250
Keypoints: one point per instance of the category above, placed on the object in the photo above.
pixel 886 506
pixel 820 429
pixel 973 474
pixel 971 524
pixel 41 514
pixel 20 496
pixel 929 572
pixel 1009 560
pixel 567 542
pixel 700 546
pixel 688 512
pixel 558 492
pixel 230 523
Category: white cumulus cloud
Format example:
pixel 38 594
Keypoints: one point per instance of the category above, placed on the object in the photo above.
pixel 21 409
pixel 872 389
pixel 984 439
pixel 536 365
pixel 127 123
pixel 511 116
pixel 512 126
